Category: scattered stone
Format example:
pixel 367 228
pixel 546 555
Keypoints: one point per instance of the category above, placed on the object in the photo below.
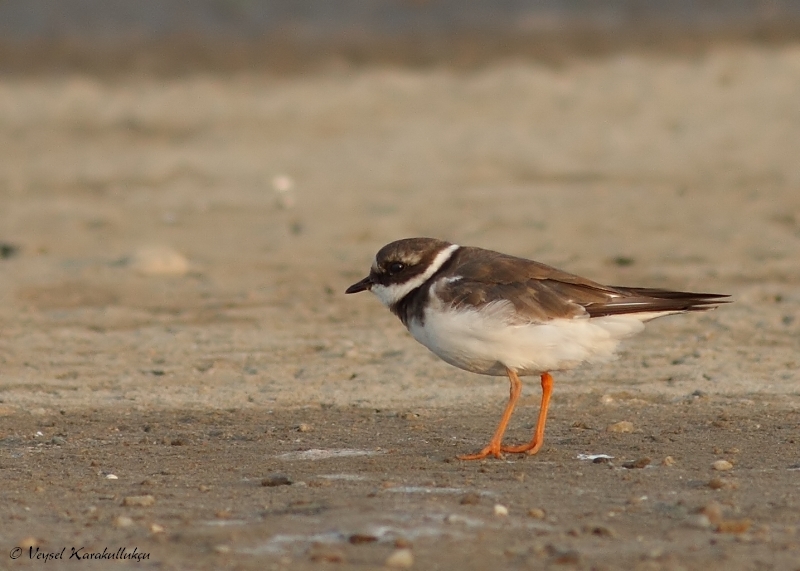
pixel 713 511
pixel 718 483
pixel 722 465
pixel 400 559
pixel 562 555
pixel 500 510
pixel 698 521
pixel 359 538
pixel 29 542
pixel 139 501
pixel 668 461
pixel 326 554
pixel 276 480
pixel 624 261
pixel 7 250
pixel 222 549
pixel 733 526
pixel 112 477
pixel 621 427
pixel 155 528
pixel 282 185
pixel 303 427
pixel 600 530
pixel 537 513
pixel 58 440
pixel 203 488
pixel 159 261
pixel 636 464
pixel 470 499
pixel 123 521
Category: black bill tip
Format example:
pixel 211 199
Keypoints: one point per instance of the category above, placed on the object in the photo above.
pixel 363 285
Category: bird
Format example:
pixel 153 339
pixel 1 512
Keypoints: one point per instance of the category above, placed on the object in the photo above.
pixel 501 315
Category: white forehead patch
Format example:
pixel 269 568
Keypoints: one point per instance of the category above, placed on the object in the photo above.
pixel 391 294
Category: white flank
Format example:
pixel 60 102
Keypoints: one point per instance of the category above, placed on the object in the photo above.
pixel 391 294
pixel 486 341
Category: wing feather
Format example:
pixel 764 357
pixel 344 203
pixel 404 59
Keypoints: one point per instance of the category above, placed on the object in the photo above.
pixel 541 293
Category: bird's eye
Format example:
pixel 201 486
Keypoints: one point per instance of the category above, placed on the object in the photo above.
pixel 396 268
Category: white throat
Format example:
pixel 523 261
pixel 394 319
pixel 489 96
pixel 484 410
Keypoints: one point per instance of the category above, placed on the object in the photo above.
pixel 391 294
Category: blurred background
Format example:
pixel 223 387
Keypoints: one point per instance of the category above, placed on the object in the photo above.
pixel 192 185
pixel 224 35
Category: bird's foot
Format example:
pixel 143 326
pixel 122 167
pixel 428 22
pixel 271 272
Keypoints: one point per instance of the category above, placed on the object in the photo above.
pixel 530 448
pixel 493 449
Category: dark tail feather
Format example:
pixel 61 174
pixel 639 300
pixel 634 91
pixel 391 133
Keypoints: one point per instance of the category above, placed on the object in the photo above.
pixel 642 300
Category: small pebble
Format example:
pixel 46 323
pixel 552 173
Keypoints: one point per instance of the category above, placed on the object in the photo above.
pixel 733 526
pixel 563 555
pixel 29 542
pixel 718 483
pixel 222 549
pixel 623 427
pixel 159 261
pixel 359 538
pixel 640 463
pixel 112 477
pixel 284 197
pixel 123 521
pixel 303 427
pixel 537 513
pixel 400 559
pixel 8 250
pixel 600 530
pixel 668 461
pixel 698 521
pixel 155 528
pixel 500 510
pixel 139 501
pixel 328 555
pixel 722 465
pixel 713 511
pixel 276 480
pixel 470 499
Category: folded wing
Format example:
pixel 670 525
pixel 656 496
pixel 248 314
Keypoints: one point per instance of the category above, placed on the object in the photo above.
pixel 541 293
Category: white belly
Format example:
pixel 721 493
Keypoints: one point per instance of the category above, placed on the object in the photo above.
pixel 487 341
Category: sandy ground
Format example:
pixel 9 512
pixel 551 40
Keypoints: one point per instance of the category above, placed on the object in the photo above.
pixel 171 317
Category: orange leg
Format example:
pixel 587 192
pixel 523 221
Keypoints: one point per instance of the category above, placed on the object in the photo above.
pixel 538 437
pixel 493 448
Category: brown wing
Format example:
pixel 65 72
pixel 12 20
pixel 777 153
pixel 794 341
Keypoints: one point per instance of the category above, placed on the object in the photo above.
pixel 540 293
